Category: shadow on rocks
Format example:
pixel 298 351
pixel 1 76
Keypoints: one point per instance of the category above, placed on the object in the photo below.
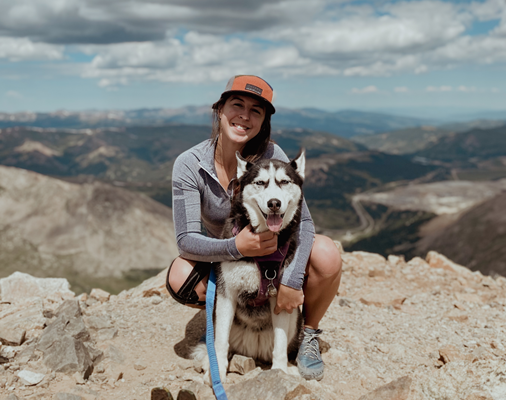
pixel 195 329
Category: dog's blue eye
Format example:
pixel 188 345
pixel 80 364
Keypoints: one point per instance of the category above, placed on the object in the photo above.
pixel 260 183
pixel 285 182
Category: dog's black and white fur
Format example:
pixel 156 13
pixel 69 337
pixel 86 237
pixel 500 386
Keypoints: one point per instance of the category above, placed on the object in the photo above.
pixel 240 328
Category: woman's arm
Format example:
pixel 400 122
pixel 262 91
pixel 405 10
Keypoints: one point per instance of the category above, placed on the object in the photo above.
pixel 186 209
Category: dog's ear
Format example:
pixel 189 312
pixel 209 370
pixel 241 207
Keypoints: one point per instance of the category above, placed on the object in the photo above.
pixel 299 163
pixel 242 165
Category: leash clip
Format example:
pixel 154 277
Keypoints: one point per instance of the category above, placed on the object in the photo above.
pixel 271 289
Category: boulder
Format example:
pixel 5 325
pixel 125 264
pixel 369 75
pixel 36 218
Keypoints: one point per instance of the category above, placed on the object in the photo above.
pixel 30 378
pixel 381 297
pixel 273 384
pixel 63 341
pixel 437 260
pixel 241 364
pixel 17 320
pixel 100 295
pixel 20 287
pixel 395 390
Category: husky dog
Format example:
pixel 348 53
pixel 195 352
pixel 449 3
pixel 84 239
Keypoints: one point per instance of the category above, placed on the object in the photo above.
pixel 269 197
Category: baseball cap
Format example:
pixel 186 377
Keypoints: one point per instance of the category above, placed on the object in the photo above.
pixel 251 85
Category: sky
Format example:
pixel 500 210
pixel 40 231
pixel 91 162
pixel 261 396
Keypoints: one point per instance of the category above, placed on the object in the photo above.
pixel 327 54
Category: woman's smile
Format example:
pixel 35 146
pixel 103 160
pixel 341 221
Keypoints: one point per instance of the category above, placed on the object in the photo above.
pixel 241 118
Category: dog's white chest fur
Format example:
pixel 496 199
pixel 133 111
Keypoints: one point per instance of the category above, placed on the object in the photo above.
pixel 240 276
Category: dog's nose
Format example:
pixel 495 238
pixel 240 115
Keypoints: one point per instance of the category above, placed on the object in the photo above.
pixel 274 204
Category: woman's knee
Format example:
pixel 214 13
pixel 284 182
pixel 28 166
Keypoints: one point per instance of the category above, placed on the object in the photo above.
pixel 325 257
pixel 178 272
pixel 177 278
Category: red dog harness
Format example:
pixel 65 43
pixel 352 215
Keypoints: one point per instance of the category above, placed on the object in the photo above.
pixel 268 268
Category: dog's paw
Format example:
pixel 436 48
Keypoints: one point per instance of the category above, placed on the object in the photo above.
pixel 280 365
pixel 223 375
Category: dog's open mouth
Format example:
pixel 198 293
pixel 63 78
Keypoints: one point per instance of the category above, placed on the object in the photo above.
pixel 274 221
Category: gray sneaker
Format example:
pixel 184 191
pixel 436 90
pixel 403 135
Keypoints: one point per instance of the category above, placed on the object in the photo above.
pixel 309 359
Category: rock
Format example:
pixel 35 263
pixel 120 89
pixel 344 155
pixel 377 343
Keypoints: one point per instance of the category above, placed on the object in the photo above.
pixel 242 365
pixel 9 352
pixel 97 323
pixel 20 287
pixel 78 378
pixel 95 354
pixel 450 353
pixel 156 300
pixel 68 355
pixel 30 378
pixel 334 356
pixel 100 295
pixel 26 354
pixel 13 336
pixel 139 366
pixel 395 260
pixel 437 260
pixel 479 396
pixel 108 334
pixel 12 397
pixel 68 322
pixel 297 393
pixel 395 390
pixel 150 287
pixel 66 396
pixel 273 384
pixel 457 315
pixel 115 355
pixel 62 342
pixel 21 321
pixel 382 297
pixel 460 379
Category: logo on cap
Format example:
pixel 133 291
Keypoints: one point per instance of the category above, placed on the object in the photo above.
pixel 254 89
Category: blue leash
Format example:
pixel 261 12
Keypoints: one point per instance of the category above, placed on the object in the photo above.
pixel 219 390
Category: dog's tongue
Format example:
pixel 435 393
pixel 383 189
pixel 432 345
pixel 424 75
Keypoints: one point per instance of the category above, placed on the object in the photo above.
pixel 274 222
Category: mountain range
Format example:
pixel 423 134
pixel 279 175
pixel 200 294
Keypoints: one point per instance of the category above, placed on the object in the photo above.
pixel 140 159
pixel 345 123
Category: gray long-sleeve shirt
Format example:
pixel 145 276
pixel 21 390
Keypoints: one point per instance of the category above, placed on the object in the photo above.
pixel 198 197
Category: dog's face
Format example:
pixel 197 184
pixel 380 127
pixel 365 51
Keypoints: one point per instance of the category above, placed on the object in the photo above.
pixel 271 191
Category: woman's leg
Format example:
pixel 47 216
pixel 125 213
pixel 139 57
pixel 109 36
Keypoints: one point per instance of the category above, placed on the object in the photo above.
pixel 323 278
pixel 320 288
pixel 178 274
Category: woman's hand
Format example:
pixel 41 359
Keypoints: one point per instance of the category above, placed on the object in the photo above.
pixel 288 299
pixel 252 244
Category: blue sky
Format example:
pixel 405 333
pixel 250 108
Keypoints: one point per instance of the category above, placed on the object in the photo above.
pixel 329 54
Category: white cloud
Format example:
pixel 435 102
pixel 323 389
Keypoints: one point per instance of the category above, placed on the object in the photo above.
pixel 13 94
pixel 367 89
pixel 463 88
pixel 401 89
pixel 23 49
pixel 144 40
pixel 439 89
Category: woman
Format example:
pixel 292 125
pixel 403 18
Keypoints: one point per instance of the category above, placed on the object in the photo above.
pixel 203 180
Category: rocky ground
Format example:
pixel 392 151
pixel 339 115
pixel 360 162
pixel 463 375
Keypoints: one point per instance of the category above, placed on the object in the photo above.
pixel 425 329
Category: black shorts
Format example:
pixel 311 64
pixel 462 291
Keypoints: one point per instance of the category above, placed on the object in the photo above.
pixel 186 294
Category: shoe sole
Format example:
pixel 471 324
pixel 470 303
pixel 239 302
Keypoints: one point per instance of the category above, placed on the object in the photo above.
pixel 160 394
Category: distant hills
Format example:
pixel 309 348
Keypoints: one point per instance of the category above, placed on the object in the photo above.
pixel 476 239
pixel 467 148
pixel 141 159
pixel 93 234
pixel 346 123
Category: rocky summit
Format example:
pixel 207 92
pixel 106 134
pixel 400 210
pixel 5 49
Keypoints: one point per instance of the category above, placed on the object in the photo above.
pixel 427 329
